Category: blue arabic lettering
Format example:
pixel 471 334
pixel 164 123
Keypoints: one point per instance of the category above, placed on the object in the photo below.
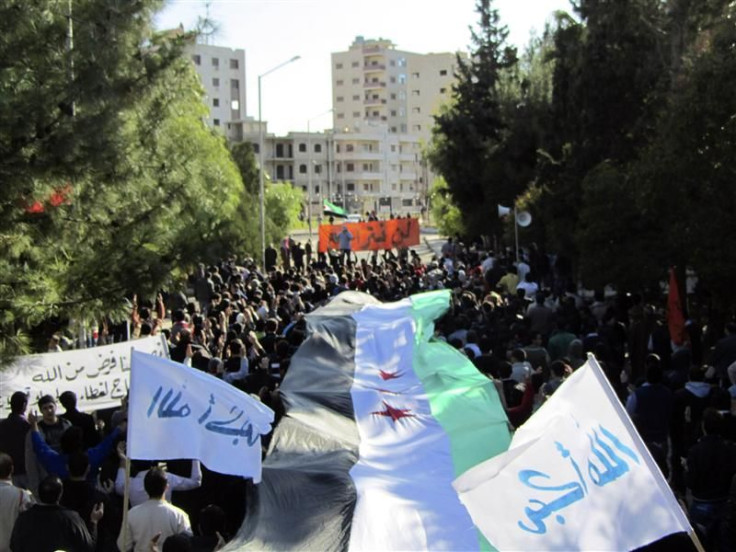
pixel 537 515
pixel 243 431
pixel 613 464
pixel 204 416
pixel 166 408
pixel 566 454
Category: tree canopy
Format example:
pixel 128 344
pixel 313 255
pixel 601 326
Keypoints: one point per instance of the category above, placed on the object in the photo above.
pixel 112 182
pixel 615 129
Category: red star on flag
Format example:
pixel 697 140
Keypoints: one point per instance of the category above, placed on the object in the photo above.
pixel 394 413
pixel 389 375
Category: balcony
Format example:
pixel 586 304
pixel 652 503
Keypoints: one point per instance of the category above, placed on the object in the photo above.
pixel 374 84
pixel 374 101
pixel 373 66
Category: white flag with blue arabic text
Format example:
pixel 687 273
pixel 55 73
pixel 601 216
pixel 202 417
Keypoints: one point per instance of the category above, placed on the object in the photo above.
pixel 576 477
pixel 180 412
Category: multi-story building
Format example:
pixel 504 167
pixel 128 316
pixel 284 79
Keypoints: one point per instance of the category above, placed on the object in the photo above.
pixel 222 71
pixel 373 81
pixel 365 169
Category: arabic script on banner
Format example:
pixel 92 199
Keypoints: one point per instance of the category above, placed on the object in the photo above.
pixel 100 376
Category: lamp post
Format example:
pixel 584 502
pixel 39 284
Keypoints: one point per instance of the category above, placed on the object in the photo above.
pixel 261 194
pixel 310 168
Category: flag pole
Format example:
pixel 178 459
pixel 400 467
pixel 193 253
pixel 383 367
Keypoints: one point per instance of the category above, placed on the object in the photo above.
pixel 126 498
pixel 664 487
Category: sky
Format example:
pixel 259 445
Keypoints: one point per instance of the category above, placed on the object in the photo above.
pixel 274 31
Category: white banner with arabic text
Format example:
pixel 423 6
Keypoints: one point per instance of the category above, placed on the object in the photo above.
pixel 99 375
pixel 180 412
pixel 576 477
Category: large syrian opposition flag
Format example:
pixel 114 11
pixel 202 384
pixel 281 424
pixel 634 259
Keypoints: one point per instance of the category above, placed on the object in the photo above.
pixel 380 420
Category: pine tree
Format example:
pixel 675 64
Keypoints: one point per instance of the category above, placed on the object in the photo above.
pixel 469 135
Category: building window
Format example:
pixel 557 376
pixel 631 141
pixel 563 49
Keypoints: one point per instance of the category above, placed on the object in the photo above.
pixel 216 122
pixel 235 84
pixel 366 187
pixel 402 78
pixel 216 62
pixel 317 148
pixel 393 130
pixel 366 167
pixel 316 188
pixel 401 62
pixel 416 110
pixel 349 167
pixel 415 75
pixel 393 147
pixel 340 116
pixel 234 105
pixel 279 150
pixel 256 147
pixel 215 102
pixel 393 80
pixel 338 83
pixel 443 72
pixel 393 113
pixel 197 59
pixel 356 113
pixel 393 186
pixel 215 82
pixel 234 64
pixel 280 172
pixel 302 147
pixel 356 97
pixel 393 96
pixel 417 128
pixel 302 169
pixel 376 114
pixel 356 81
pixel 339 99
pixel 415 92
pixel 349 147
pixel 392 63
pixel 338 66
pixel 443 90
pixel 318 169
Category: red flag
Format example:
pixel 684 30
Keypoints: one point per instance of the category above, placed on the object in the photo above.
pixel 675 312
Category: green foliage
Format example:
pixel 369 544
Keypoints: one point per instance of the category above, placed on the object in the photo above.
pixel 447 216
pixel 112 183
pixel 615 130
pixel 283 205
pixel 469 136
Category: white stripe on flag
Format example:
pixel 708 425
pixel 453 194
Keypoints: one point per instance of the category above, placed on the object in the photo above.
pixel 577 477
pixel 179 412
pixel 405 468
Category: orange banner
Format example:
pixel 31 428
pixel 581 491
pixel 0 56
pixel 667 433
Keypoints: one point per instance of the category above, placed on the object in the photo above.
pixel 372 236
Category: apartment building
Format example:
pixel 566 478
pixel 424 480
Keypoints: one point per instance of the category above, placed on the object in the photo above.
pixel 375 82
pixel 222 71
pixel 365 168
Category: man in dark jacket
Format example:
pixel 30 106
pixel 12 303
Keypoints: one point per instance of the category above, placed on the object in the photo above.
pixel 47 526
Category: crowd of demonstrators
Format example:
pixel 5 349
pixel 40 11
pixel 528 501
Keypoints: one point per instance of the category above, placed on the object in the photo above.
pixel 521 323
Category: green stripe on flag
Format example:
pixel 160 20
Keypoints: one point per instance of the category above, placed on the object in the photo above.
pixel 332 209
pixel 464 401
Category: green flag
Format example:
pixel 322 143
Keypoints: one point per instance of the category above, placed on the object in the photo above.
pixel 330 209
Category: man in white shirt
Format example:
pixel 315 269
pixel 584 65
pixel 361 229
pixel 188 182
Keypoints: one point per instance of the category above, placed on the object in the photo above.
pixel 13 501
pixel 139 495
pixel 153 517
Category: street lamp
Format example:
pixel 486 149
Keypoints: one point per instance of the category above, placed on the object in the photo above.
pixel 310 168
pixel 262 199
